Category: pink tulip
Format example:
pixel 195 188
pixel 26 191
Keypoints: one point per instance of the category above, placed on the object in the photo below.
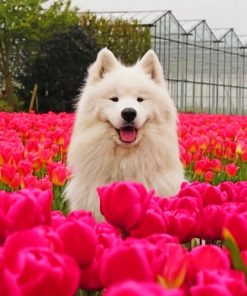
pixel 39 270
pixel 131 288
pixel 206 257
pixel 175 266
pixel 153 222
pixel 233 280
pixel 79 241
pixel 57 218
pixel 8 283
pixel 25 209
pixel 128 199
pixel 82 216
pixel 90 279
pixel 189 191
pixel 212 221
pixel 228 188
pixel 30 182
pixel 25 167
pixel 212 290
pixel 182 217
pixel 213 195
pixel 127 262
pixel 108 238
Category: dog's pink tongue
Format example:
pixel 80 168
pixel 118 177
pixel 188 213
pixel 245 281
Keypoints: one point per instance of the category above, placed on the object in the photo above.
pixel 128 135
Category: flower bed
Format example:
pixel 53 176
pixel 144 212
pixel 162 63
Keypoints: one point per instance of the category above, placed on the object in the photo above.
pixel 193 243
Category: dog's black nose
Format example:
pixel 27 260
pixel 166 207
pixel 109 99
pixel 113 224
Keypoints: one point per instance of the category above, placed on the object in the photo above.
pixel 129 114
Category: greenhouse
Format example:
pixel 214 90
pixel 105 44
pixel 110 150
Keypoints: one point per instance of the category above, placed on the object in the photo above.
pixel 205 67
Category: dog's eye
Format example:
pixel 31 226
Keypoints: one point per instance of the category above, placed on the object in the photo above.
pixel 140 100
pixel 114 99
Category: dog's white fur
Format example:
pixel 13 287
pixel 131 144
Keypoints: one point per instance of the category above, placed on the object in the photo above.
pixel 96 154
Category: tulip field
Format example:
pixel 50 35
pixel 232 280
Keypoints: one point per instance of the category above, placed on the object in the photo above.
pixel 191 244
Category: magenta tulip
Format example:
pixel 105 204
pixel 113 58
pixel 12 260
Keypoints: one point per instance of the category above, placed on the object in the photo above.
pixel 124 203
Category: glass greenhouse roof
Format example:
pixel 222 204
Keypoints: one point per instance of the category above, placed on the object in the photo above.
pixel 143 17
pixel 149 18
pixel 189 25
pixel 243 39
pixel 219 33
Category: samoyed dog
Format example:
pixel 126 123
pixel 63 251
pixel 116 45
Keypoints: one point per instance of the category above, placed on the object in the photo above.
pixel 125 129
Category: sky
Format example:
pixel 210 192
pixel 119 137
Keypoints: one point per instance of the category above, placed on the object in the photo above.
pixel 217 13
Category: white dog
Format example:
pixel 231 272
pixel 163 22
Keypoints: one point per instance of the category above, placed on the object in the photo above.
pixel 125 129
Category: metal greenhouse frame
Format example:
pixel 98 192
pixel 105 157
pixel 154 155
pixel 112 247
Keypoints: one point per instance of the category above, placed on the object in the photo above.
pixel 206 68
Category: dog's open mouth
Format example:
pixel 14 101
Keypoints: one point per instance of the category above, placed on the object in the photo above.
pixel 127 134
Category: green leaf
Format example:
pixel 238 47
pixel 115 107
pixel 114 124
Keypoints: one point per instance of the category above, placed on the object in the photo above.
pixel 235 254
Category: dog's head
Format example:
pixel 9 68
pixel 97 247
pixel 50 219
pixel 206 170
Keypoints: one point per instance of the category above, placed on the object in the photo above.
pixel 127 98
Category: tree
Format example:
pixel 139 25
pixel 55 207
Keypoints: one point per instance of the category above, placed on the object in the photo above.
pixel 128 40
pixel 23 24
pixel 59 69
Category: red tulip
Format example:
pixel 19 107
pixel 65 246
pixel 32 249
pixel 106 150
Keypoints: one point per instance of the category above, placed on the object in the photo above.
pixel 231 169
pixel 216 165
pixel 209 176
pixel 7 174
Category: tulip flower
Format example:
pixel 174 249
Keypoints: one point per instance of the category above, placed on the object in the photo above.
pixel 140 289
pixel 231 170
pixel 209 176
pixel 212 221
pixel 127 262
pixel 129 201
pixel 25 209
pixel 79 241
pixel 175 267
pixel 206 257
pixel 38 269
pixel 230 281
pixel 58 173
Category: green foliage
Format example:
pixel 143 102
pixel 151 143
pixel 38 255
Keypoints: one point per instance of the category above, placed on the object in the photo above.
pixel 23 25
pixel 59 69
pixel 4 107
pixel 128 40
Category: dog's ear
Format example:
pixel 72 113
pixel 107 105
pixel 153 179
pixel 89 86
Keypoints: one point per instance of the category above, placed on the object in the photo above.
pixel 151 66
pixel 105 63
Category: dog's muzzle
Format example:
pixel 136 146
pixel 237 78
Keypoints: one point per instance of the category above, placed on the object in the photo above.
pixel 127 133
